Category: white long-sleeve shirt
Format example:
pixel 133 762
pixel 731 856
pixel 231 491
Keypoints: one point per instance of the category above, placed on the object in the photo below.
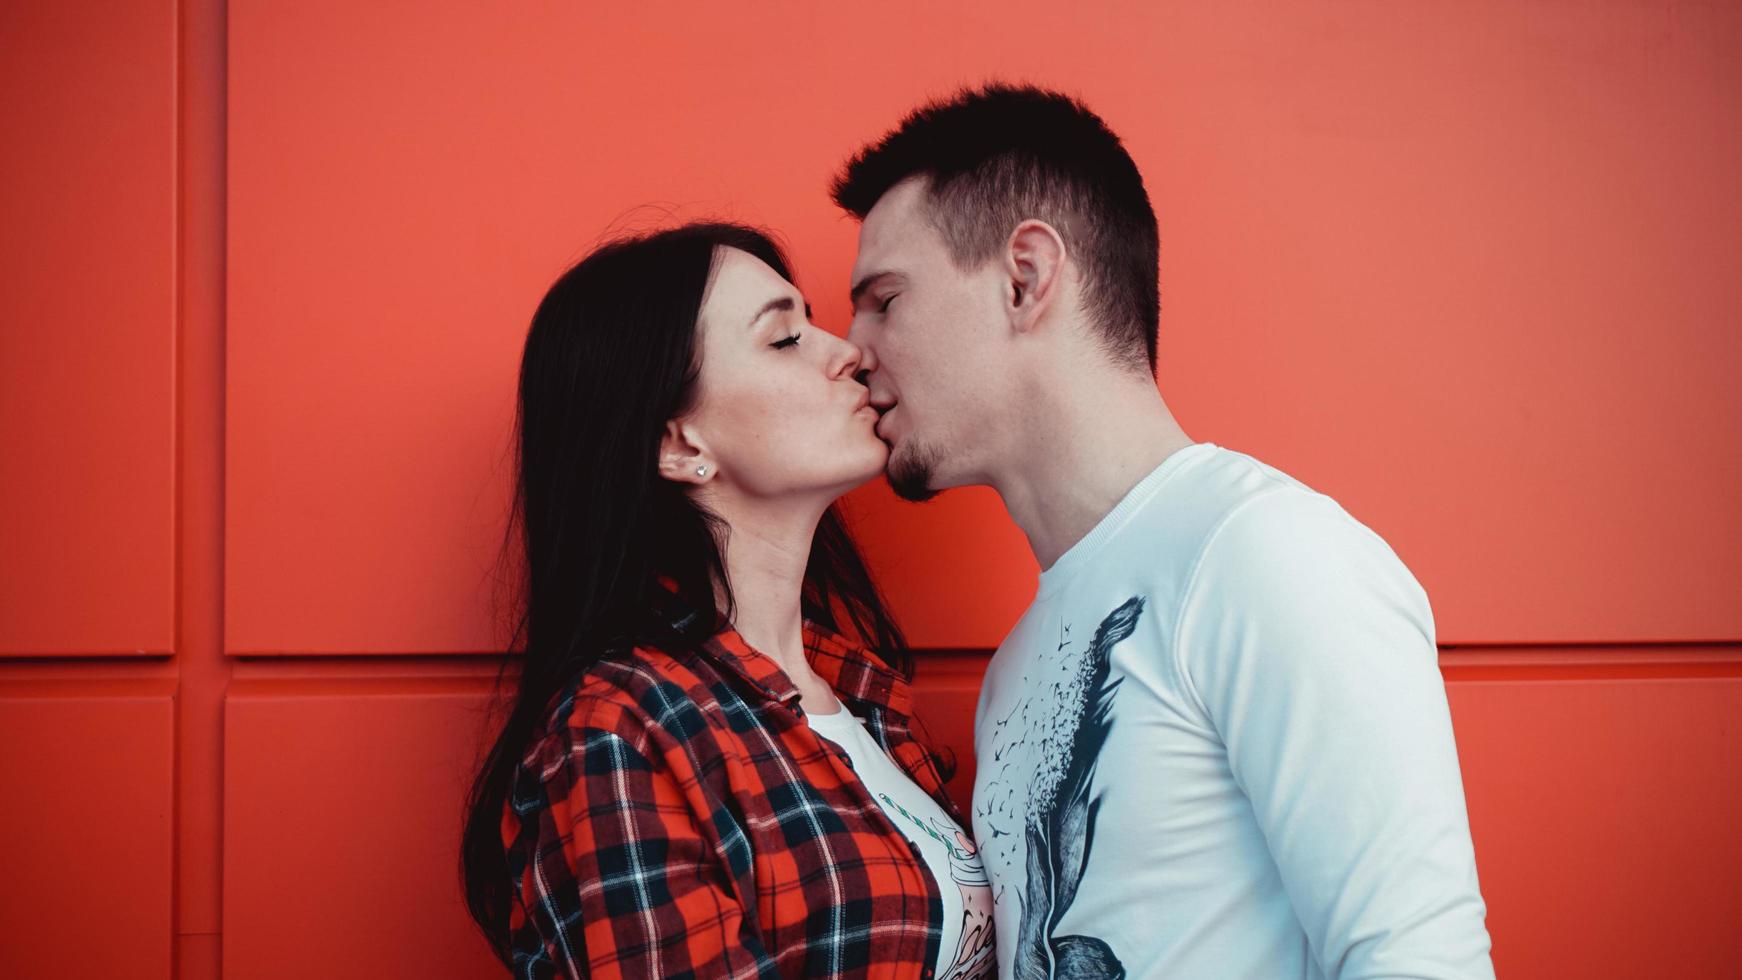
pixel 1217 746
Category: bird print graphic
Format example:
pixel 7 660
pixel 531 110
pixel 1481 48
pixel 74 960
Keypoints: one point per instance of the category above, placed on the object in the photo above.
pixel 1059 826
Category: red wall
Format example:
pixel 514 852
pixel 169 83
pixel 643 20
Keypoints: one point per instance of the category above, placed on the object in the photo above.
pixel 1471 268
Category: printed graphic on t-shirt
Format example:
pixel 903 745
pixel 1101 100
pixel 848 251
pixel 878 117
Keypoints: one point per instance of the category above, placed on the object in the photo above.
pixel 976 955
pixel 1063 725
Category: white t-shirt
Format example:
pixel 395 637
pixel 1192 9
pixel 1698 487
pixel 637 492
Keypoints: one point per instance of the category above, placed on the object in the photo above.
pixel 967 950
pixel 1217 746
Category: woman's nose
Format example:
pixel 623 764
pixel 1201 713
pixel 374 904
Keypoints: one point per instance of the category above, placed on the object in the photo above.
pixel 848 360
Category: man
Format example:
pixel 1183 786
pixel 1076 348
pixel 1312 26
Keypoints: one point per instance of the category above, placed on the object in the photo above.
pixel 1217 744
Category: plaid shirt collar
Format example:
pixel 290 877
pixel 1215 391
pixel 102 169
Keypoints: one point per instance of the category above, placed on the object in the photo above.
pixel 860 678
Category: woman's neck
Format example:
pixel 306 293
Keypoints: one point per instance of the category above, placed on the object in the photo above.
pixel 766 553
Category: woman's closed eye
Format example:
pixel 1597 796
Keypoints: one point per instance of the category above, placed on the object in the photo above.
pixel 884 307
pixel 792 341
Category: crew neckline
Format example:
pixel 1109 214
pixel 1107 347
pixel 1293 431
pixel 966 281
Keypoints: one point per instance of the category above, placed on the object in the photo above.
pixel 833 718
pixel 1078 554
pixel 840 709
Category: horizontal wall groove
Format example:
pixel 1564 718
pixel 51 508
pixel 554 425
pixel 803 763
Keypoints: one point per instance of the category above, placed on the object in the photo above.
pixel 955 667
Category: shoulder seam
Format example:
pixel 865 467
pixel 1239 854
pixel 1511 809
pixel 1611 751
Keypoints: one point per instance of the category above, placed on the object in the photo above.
pixel 1175 650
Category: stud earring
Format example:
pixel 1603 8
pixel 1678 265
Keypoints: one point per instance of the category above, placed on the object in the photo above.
pixel 701 471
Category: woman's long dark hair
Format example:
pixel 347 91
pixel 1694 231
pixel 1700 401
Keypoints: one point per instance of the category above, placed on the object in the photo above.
pixel 610 357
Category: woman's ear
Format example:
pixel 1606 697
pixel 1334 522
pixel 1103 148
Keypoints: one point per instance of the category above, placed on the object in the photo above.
pixel 1034 262
pixel 682 457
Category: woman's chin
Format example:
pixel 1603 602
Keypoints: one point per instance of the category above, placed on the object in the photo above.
pixel 876 456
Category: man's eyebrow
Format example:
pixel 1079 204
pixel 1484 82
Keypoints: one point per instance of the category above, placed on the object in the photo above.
pixel 866 282
pixel 782 304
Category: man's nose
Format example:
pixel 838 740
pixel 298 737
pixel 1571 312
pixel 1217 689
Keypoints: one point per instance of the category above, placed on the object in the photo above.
pixel 867 355
pixel 857 331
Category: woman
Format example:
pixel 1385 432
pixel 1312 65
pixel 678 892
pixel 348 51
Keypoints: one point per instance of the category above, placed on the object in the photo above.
pixel 703 772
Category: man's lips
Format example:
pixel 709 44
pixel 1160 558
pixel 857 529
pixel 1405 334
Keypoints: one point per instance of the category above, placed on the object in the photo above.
pixel 882 416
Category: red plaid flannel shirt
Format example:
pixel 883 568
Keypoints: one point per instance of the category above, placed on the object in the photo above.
pixel 680 819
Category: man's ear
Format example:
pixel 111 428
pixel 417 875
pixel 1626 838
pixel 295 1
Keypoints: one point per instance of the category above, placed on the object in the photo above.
pixel 682 456
pixel 1034 266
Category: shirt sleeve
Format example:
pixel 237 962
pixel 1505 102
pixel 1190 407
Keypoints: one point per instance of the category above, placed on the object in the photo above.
pixel 1310 648
pixel 623 881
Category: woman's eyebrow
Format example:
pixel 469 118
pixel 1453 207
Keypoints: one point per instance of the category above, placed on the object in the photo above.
pixel 784 303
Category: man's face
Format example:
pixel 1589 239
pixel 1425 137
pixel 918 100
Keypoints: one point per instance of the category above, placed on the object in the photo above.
pixel 930 334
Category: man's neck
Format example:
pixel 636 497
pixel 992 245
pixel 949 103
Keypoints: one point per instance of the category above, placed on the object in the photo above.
pixel 1085 449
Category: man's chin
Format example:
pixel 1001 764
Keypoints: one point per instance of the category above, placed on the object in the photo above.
pixel 910 475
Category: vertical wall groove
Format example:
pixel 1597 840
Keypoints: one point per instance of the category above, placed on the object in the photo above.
pixel 202 669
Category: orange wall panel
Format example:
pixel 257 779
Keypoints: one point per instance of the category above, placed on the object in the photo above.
pixel 87 328
pixel 1467 267
pixel 946 690
pixel 87 862
pixel 1604 813
pixel 342 807
pixel 342 815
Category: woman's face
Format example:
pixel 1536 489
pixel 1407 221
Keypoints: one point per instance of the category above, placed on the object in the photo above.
pixel 777 410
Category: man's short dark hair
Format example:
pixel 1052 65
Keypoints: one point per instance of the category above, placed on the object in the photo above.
pixel 999 155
